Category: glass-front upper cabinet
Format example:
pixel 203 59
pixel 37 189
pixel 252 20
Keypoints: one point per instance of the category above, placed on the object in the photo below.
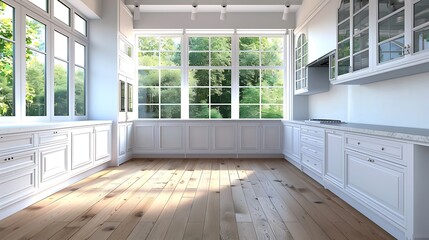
pixel 301 54
pixel 421 26
pixel 379 39
pixel 391 29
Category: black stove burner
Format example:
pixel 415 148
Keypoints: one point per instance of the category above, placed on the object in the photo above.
pixel 322 120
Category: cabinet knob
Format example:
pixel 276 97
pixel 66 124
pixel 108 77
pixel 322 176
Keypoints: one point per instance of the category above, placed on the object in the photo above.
pixel 382 149
pixel 11 158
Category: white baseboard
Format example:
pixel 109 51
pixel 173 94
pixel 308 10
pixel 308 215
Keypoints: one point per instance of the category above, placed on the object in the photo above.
pixel 199 155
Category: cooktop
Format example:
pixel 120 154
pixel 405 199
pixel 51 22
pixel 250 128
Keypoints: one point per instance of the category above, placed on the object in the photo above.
pixel 323 120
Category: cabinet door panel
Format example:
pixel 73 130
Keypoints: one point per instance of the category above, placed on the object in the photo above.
pixel 54 162
pixel 334 162
pixel 102 143
pixel 145 137
pixel 272 138
pixel 81 148
pixel 16 141
pixel 122 131
pixel 376 182
pixel 199 138
pixel 17 185
pixel 224 138
pixel 12 161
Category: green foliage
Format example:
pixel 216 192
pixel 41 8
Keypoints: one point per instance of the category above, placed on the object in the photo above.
pixel 7 96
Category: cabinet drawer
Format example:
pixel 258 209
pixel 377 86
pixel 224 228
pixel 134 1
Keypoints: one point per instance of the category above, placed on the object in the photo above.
pixel 311 162
pixel 16 141
pixel 53 137
pixel 376 146
pixel 17 185
pixel 10 162
pixel 316 152
pixel 317 142
pixel 313 131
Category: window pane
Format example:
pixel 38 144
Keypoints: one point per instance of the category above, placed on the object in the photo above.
pixel 272 77
pixel 221 43
pixel 35 84
pixel 171 77
pixel 249 95
pixel 220 111
pixel 272 111
pixel 249 58
pixel 80 24
pixel 198 77
pixel 249 77
pixel 361 41
pixel 221 59
pixel 199 43
pixel 421 39
pixel 361 21
pixel 360 61
pixel 386 7
pixel 271 44
pixel 148 77
pixel 198 111
pixel 391 50
pixel 198 59
pixel 62 12
pixel 148 111
pixel 170 59
pixel 61 47
pixel 220 77
pixel 148 95
pixel 130 93
pixel 7 78
pixel 149 59
pixel 79 54
pixel 171 44
pixel 7 21
pixel 220 95
pixel 148 43
pixel 122 95
pixel 249 111
pixel 344 10
pixel 272 95
pixel 79 91
pixel 198 95
pixel 343 31
pixel 43 4
pixel 249 43
pixel 170 95
pixel 391 27
pixel 344 49
pixel 35 34
pixel 61 88
pixel 272 58
pixel 343 66
pixel 170 111
pixel 359 4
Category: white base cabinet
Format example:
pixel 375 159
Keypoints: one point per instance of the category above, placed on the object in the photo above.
pixel 197 138
pixel 334 158
pixel 125 145
pixel 35 164
pixel 291 143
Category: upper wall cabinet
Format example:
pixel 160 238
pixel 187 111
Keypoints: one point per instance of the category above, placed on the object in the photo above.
pixel 380 40
pixel 301 58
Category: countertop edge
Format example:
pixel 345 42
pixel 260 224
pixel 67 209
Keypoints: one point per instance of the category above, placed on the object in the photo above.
pixel 42 126
pixel 404 134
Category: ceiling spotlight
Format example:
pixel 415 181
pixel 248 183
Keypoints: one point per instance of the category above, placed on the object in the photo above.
pixel 194 11
pixel 223 11
pixel 286 11
pixel 136 14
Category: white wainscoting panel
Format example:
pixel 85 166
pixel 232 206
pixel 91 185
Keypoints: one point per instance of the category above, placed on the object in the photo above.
pixel 272 138
pixel 171 137
pixel 224 138
pixel 145 137
pixel 249 137
pixel 198 137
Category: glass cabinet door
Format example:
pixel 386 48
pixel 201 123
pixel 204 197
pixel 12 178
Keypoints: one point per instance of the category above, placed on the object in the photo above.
pixel 122 96
pixel 391 26
pixel 360 34
pixel 301 53
pixel 421 25
pixel 343 36
pixel 130 97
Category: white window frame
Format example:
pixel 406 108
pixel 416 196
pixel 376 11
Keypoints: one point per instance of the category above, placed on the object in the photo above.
pixel 22 9
pixel 287 68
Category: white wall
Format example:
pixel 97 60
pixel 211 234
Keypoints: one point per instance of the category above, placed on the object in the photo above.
pixel 398 102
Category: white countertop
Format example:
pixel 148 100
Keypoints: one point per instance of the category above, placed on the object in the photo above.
pixel 418 135
pixel 8 128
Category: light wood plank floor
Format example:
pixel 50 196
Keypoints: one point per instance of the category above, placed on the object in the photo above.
pixel 193 199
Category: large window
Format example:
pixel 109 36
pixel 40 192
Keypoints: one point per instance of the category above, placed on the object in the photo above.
pixel 221 76
pixel 35 94
pixel 160 77
pixel 261 77
pixel 209 77
pixel 42 62
pixel 7 60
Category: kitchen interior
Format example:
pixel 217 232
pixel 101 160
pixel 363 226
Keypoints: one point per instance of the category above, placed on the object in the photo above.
pixel 355 92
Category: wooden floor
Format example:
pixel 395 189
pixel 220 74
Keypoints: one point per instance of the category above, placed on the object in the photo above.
pixel 193 199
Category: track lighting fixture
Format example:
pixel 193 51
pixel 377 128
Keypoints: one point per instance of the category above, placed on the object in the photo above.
pixel 223 11
pixel 194 11
pixel 286 11
pixel 136 14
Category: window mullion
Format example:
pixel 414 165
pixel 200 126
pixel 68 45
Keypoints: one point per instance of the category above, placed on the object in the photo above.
pixel 235 83
pixel 185 73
